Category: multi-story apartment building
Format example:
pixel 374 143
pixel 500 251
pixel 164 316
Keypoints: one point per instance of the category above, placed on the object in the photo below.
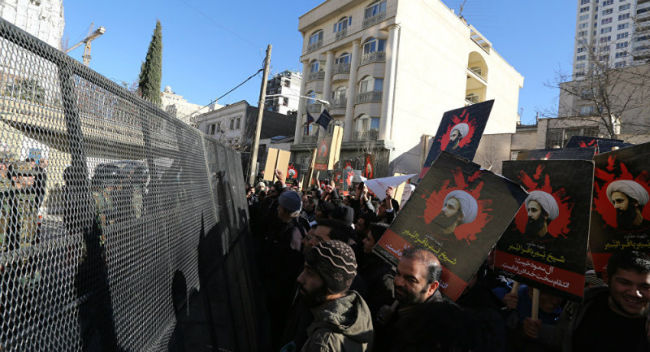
pixel 617 32
pixel 40 18
pixel 390 69
pixel 286 86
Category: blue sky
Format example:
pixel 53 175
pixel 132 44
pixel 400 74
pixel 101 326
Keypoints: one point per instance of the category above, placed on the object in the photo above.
pixel 211 46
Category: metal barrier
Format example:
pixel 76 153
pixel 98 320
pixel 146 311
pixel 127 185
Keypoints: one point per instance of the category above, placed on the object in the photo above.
pixel 112 214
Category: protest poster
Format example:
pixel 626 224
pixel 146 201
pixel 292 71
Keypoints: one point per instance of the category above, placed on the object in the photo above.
pixel 459 132
pixel 546 244
pixel 329 150
pixel 458 212
pixel 558 154
pixel 347 173
pixel 276 159
pixel 620 217
pixel 602 145
pixel 292 172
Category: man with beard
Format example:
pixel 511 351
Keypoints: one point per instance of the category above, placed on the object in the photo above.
pixel 542 209
pixel 628 198
pixel 457 134
pixel 610 318
pixel 459 207
pixel 421 319
pixel 342 320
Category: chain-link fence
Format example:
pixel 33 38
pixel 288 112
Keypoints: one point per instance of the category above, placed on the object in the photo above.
pixel 111 213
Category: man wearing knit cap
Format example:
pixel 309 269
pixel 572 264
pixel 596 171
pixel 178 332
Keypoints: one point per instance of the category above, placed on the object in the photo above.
pixel 628 198
pixel 542 208
pixel 342 320
pixel 457 134
pixel 459 207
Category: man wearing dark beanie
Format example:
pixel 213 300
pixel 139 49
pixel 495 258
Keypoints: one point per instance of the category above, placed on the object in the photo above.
pixel 342 320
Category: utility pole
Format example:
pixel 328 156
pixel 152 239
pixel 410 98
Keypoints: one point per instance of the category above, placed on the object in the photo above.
pixel 260 115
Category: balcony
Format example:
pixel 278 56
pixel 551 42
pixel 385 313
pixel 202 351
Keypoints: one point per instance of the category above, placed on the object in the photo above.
pixel 313 46
pixel 314 108
pixel 371 21
pixel 371 135
pixel 309 139
pixel 472 99
pixel 377 56
pixel 369 97
pixel 316 76
pixel 342 68
pixel 342 34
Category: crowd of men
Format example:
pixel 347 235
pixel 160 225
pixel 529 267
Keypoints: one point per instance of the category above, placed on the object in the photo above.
pixel 326 290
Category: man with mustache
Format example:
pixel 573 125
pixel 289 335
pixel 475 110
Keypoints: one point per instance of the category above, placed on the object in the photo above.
pixel 342 320
pixel 459 207
pixel 628 198
pixel 611 318
pixel 542 208
pixel 421 319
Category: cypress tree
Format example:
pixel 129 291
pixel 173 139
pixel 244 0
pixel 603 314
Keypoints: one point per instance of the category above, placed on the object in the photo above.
pixel 151 71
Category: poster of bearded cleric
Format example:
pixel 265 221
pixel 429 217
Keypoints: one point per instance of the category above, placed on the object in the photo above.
pixel 620 217
pixel 546 244
pixel 459 132
pixel 458 211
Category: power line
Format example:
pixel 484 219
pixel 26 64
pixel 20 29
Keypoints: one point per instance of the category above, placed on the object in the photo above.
pixel 226 93
pixel 214 22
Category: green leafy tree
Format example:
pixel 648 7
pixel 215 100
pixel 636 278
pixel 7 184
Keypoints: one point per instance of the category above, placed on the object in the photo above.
pixel 151 71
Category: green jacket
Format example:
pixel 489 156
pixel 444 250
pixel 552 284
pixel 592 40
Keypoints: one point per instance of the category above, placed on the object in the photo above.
pixel 341 325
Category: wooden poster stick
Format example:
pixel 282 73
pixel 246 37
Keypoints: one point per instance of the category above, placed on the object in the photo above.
pixel 535 311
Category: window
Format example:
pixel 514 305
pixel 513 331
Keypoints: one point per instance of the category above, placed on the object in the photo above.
pixel 342 24
pixel 622 35
pixel 370 84
pixel 314 66
pixel 287 83
pixel 211 129
pixel 232 124
pixel 372 45
pixel 583 25
pixel 581 57
pixel 608 2
pixel 366 123
pixel 580 67
pixel 581 49
pixel 584 9
pixel 623 26
pixel 623 16
pixel 621 54
pixel 604 48
pixel 605 39
pixel 603 58
pixel 607 12
pixel 583 17
pixel 584 2
pixel 238 122
pixel 311 94
pixel 587 110
pixel 582 33
pixel 624 7
pixel 285 101
pixel 622 45
pixel 619 64
pixel 343 59
pixel 316 38
pixel 605 30
pixel 606 20
pixel 339 94
pixel 375 9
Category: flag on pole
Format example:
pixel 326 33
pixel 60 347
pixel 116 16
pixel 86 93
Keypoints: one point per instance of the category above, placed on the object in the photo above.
pixel 324 119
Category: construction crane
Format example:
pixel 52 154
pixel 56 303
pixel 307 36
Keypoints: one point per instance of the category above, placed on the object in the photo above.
pixel 89 38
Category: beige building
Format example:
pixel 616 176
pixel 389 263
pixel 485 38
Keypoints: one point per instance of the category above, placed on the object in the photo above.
pixel 175 105
pixel 390 69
